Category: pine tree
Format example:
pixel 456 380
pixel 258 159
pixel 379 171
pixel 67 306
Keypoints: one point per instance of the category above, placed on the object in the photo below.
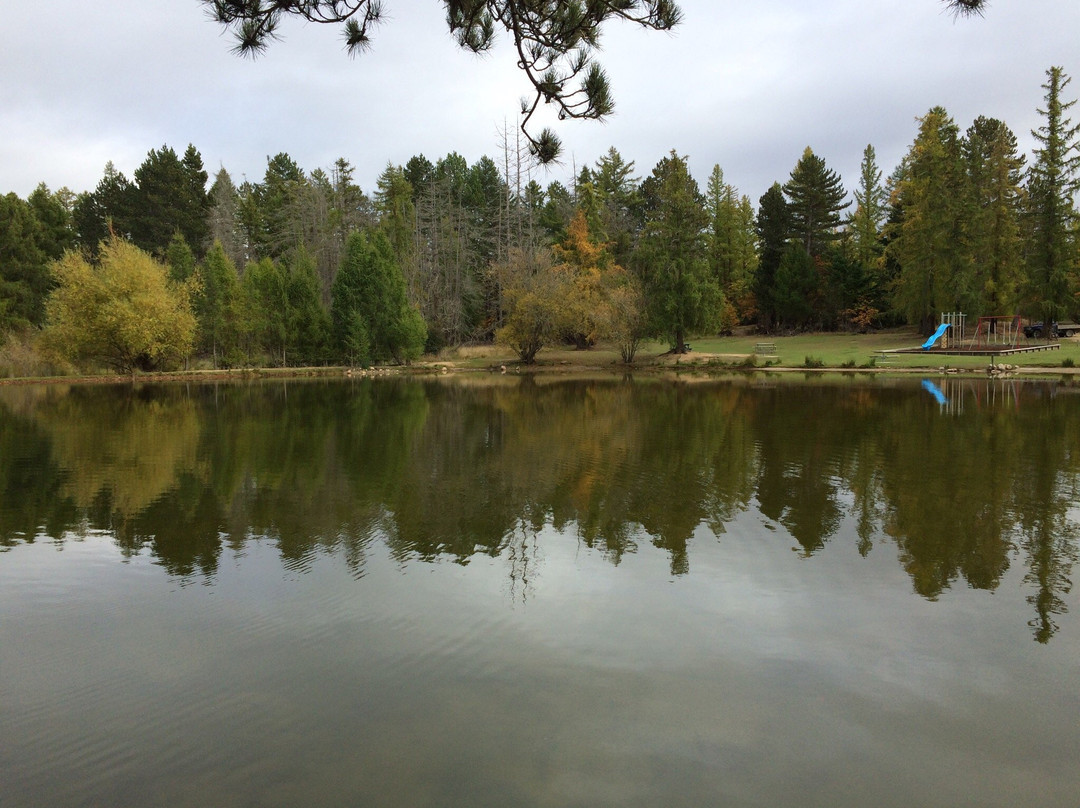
pixel 620 200
pixel 671 259
pixel 24 275
pixel 372 319
pixel 223 219
pixel 270 210
pixel 53 212
pixel 179 258
pixel 394 204
pixel 169 195
pixel 865 223
pixel 216 304
pixel 307 321
pixel 773 229
pixel 815 200
pixel 796 286
pixel 934 273
pixel 1052 183
pixel 265 289
pixel 105 210
pixel 992 234
pixel 554 43
pixel 732 247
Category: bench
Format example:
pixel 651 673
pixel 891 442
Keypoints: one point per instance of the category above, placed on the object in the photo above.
pixel 765 348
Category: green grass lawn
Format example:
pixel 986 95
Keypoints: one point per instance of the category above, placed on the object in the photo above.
pixel 832 350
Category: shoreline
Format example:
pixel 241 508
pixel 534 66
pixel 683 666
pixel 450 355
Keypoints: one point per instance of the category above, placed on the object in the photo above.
pixel 697 364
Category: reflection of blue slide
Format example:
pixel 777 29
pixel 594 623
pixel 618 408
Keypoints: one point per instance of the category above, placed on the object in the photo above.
pixel 935 337
pixel 933 390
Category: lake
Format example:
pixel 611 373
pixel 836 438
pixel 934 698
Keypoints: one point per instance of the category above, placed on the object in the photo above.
pixel 770 590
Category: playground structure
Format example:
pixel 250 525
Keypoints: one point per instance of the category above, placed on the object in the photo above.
pixel 995 335
pixel 998 331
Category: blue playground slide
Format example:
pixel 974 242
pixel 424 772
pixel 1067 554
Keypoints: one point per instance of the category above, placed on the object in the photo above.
pixel 935 337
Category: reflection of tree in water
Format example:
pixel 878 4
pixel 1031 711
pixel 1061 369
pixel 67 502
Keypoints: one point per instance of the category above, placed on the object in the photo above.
pixel 522 556
pixel 797 463
pixel 33 498
pixel 948 509
pixel 128 442
pixel 1044 492
pixel 445 469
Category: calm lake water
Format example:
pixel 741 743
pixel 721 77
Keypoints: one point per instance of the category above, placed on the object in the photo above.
pixel 517 592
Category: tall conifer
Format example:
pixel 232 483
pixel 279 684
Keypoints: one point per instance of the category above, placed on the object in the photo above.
pixel 1052 184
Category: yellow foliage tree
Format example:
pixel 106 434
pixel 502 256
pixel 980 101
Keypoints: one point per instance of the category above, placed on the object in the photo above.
pixel 584 297
pixel 603 300
pixel 534 297
pixel 584 265
pixel 121 311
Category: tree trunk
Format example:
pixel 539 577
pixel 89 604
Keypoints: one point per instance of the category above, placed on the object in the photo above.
pixel 680 342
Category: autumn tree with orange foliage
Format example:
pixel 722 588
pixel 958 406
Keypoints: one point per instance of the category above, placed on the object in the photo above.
pixel 582 297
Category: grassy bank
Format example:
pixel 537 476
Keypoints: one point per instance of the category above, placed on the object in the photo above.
pixel 827 351
pixel 830 350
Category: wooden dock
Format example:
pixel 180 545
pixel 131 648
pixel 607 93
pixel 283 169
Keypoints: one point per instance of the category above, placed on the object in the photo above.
pixel 987 350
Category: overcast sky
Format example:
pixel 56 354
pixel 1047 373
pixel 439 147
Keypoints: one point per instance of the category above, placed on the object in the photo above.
pixel 746 84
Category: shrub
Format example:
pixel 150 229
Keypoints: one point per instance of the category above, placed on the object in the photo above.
pixel 813 362
pixel 123 312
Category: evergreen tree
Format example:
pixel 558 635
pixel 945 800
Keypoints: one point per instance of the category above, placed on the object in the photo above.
pixel 351 208
pixel 265 289
pixel 372 319
pixel 307 321
pixel 992 214
pixel 223 222
pixel 671 259
pixel 420 172
pixel 53 213
pixel 851 293
pixel 871 208
pixel 620 203
pixel 24 276
pixel 169 195
pixel 271 211
pixel 179 258
pixel 934 273
pixel 217 305
pixel 795 287
pixel 773 228
pixel 105 210
pixel 732 242
pixel 33 233
pixel 393 203
pixel 1052 183
pixel 554 43
pixel 485 197
pixel 815 200
pixel 557 210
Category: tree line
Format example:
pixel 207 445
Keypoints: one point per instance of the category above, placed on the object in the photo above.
pixel 306 268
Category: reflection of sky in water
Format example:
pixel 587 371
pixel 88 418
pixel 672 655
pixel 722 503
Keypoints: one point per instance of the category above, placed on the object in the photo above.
pixel 760 676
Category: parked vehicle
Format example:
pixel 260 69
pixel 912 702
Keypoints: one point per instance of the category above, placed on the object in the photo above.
pixel 1035 330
